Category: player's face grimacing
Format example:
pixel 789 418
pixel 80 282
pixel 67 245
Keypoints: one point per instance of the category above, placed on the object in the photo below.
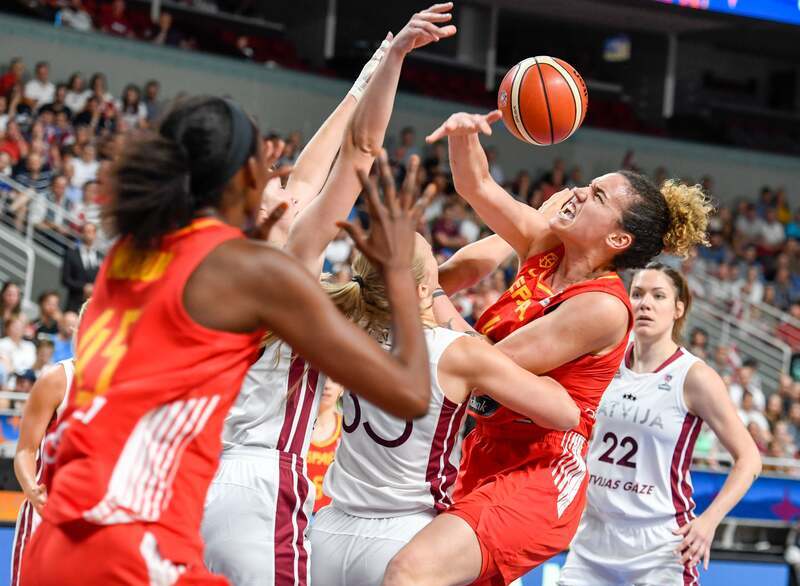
pixel 654 303
pixel 593 215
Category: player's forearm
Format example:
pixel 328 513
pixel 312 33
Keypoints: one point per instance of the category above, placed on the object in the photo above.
pixel 368 126
pixel 745 470
pixel 472 263
pixel 314 163
pixel 497 208
pixel 25 469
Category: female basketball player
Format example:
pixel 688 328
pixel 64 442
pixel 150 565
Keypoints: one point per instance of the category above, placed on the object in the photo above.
pixel 567 315
pixel 639 512
pixel 46 403
pixel 261 499
pixel 179 308
pixel 391 476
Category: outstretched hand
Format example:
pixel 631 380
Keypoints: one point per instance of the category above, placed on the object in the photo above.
pixel 422 29
pixel 390 242
pixel 463 124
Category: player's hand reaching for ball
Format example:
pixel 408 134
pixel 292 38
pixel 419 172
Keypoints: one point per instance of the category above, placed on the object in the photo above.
pixel 390 242
pixel 463 124
pixel 697 537
pixel 428 26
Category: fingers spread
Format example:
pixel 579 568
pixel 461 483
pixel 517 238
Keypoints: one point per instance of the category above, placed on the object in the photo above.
pixel 410 183
pixel 356 233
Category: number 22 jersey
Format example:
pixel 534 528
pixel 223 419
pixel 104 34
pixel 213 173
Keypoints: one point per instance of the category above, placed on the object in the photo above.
pixel 642 447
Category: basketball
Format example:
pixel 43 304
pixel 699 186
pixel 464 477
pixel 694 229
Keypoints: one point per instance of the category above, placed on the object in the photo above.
pixel 543 100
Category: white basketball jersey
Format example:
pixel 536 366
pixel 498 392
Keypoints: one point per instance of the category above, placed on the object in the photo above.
pixel 642 445
pixel 277 405
pixel 387 467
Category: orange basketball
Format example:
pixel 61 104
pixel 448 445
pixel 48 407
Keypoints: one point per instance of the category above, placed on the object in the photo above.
pixel 543 100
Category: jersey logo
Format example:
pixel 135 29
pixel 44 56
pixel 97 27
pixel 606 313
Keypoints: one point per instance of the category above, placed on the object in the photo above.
pixel 484 406
pixel 665 386
pixel 629 397
pixel 548 260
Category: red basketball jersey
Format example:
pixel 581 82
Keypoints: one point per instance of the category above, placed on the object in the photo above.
pixel 141 438
pixel 527 299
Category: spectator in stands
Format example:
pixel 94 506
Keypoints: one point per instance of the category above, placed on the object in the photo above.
pixel 747 381
pixel 717 252
pixel 62 341
pixel 495 169
pixel 554 180
pixel 95 116
pixel 407 146
pixel 151 101
pixel 74 15
pixel 79 268
pixel 15 347
pixel 793 227
pixel 784 439
pixel 749 226
pixel 52 218
pixel 749 288
pixel 46 325
pixel 88 208
pixel 115 21
pixel 786 289
pixel 446 230
pixel 781 205
pixel 765 202
pixel 44 356
pixel 35 176
pixel 76 97
pixel 774 410
pixel 698 343
pixel 131 108
pixel 750 413
pixel 12 76
pixel 85 168
pixel 59 103
pixel 10 303
pixel 13 142
pixel 162 32
pixel 773 233
pixel 40 90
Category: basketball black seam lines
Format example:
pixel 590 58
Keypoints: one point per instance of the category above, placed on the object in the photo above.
pixel 521 117
pixel 511 102
pixel 546 101
pixel 565 75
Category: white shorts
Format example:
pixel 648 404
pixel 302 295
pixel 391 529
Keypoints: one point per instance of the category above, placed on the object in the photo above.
pixel 27 522
pixel 256 518
pixel 610 553
pixel 354 551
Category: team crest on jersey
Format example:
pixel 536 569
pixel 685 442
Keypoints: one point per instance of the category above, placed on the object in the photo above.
pixel 548 260
pixel 483 405
pixel 545 302
pixel 665 386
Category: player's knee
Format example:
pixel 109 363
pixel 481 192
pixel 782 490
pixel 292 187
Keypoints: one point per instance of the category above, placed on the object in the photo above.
pixel 402 571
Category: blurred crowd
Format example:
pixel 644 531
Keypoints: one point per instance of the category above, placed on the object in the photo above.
pixel 57 136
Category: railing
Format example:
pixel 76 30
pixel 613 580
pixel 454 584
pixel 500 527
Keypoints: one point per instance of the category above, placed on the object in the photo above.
pixel 749 327
pixel 53 241
pixel 17 261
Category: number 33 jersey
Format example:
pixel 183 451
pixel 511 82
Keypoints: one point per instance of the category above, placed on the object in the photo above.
pixel 642 446
pixel 387 467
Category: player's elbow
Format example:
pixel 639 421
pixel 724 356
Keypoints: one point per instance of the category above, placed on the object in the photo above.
pixel 362 142
pixel 568 418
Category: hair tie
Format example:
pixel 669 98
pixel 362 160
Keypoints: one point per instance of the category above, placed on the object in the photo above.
pixel 358 279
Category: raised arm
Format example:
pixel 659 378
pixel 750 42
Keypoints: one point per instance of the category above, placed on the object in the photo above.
pixel 515 222
pixel 707 397
pixel 267 288
pixel 316 226
pixel 473 362
pixel 473 263
pixel 43 400
pixel 314 163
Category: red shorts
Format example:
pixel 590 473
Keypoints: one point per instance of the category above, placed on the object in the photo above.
pixel 113 555
pixel 522 514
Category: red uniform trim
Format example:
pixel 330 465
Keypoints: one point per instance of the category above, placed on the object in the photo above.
pixel 675 355
pixel 294 394
pixel 679 483
pixel 441 474
pixel 22 538
pixel 312 377
pixel 290 557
